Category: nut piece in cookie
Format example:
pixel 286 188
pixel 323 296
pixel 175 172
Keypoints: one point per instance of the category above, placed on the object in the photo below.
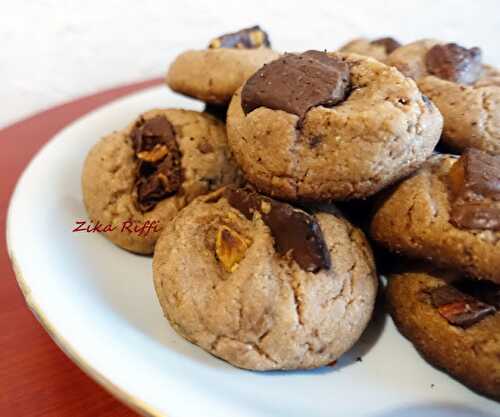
pixel 253 37
pixel 230 247
pixel 475 183
pixel 234 280
pixel 320 126
pixel 452 321
pixel 136 179
pixel 214 74
pixel 446 213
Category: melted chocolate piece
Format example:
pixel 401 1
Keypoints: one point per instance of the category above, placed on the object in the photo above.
pixel 390 44
pixel 253 37
pixel 296 82
pixel 295 232
pixel 454 63
pixel 475 216
pixel 476 175
pixel 159 173
pixel 475 183
pixel 458 308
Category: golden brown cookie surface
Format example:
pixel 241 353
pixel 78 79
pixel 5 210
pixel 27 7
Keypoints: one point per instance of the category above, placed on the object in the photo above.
pixel 466 92
pixel 231 283
pixel 416 219
pixel 214 74
pixel 383 130
pixel 128 178
pixel 468 353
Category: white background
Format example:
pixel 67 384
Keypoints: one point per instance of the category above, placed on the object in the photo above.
pixel 52 51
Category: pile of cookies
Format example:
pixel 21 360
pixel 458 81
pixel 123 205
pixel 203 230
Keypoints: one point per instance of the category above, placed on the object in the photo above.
pixel 254 263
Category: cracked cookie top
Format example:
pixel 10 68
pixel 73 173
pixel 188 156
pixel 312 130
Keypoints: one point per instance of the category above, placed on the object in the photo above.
pixel 231 281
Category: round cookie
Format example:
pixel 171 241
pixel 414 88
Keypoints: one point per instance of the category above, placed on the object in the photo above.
pixel 466 92
pixel 317 126
pixel 263 285
pixel 448 212
pixel 378 49
pixel 150 170
pixel 214 74
pixel 428 310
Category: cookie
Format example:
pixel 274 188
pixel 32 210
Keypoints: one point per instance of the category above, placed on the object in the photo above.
pixel 466 91
pixel 320 126
pixel 448 212
pixel 143 175
pixel 214 74
pixel 264 285
pixel 377 48
pixel 453 323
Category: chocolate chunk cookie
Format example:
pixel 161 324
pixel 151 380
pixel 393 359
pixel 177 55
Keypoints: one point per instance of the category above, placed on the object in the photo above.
pixel 214 74
pixel 454 323
pixel 448 212
pixel 145 173
pixel 320 126
pixel 466 91
pixel 262 284
pixel 378 48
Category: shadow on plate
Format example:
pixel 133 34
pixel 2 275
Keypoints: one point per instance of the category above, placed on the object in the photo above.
pixel 435 410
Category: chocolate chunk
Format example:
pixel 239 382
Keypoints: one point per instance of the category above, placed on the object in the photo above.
pixel 390 44
pixel 159 173
pixel 458 308
pixel 475 216
pixel 296 82
pixel 476 174
pixel 295 232
pixel 253 37
pixel 475 184
pixel 454 63
pixel 485 291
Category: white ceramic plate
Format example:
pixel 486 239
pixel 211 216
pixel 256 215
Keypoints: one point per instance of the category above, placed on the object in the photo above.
pixel 99 305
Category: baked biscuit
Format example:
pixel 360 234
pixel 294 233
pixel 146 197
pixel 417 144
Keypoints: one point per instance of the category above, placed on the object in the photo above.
pixel 448 213
pixel 148 171
pixel 214 74
pixel 264 285
pixel 377 48
pixel 454 323
pixel 317 126
pixel 466 92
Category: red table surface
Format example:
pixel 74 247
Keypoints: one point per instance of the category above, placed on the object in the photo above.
pixel 36 378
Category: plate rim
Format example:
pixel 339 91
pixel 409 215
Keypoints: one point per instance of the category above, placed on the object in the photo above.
pixel 115 390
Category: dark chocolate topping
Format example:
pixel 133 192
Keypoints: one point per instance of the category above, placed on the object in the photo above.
pixel 296 82
pixel 159 173
pixel 454 63
pixel 459 308
pixel 390 44
pixel 295 232
pixel 481 174
pixel 475 183
pixel 475 216
pixel 253 37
